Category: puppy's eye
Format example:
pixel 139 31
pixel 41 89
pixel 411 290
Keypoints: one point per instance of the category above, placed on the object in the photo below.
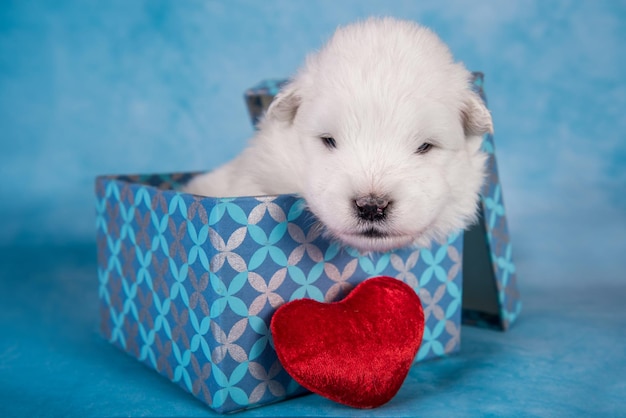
pixel 329 141
pixel 424 148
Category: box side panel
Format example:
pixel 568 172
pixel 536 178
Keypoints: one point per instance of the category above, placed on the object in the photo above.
pixel 140 235
pixel 500 246
pixel 497 231
pixel 270 252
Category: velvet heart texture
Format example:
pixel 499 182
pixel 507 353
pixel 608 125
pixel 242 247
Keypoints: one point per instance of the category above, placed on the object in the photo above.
pixel 357 351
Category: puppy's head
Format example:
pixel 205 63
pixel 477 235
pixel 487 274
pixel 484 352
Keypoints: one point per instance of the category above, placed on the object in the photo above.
pixel 390 132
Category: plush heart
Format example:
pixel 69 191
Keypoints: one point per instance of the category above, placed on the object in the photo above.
pixel 357 351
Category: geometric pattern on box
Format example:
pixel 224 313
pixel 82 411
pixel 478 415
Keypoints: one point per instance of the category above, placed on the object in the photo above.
pixel 188 285
pixel 490 293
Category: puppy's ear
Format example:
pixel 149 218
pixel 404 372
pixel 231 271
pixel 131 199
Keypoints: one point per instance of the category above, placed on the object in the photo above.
pixel 285 105
pixel 475 116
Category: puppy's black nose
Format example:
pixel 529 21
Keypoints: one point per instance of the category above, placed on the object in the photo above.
pixel 371 208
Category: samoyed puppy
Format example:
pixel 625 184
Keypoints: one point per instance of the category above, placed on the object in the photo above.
pixel 379 132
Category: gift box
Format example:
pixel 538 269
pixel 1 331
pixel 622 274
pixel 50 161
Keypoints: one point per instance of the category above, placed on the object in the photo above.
pixel 188 285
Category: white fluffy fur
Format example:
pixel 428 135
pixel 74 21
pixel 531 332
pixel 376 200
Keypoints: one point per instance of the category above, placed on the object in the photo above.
pixel 380 88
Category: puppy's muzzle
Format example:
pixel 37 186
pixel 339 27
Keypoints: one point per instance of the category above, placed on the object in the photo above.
pixel 372 208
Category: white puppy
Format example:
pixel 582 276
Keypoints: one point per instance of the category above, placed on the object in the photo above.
pixel 379 131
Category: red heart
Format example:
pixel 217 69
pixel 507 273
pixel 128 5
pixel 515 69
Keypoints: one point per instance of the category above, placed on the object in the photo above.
pixel 357 351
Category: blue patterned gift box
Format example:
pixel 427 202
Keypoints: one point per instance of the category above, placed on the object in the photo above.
pixel 188 285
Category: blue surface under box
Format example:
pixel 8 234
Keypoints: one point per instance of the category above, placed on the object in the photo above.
pixel 188 285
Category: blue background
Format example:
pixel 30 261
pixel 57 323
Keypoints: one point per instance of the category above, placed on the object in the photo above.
pixel 89 88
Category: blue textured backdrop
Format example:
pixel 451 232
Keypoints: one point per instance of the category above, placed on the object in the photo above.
pixel 92 87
